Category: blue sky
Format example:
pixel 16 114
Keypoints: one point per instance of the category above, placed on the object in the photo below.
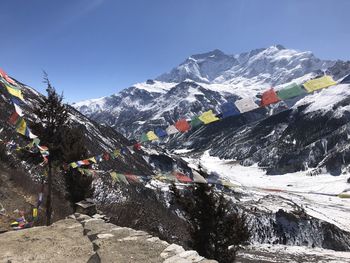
pixel 94 48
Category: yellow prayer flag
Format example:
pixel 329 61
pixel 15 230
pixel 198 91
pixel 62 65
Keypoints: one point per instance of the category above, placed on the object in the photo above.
pixel 208 117
pixel 21 127
pixel 114 176
pixel 35 212
pixel 92 159
pixel 74 165
pixel 15 92
pixel 152 136
pixel 344 195
pixel 319 83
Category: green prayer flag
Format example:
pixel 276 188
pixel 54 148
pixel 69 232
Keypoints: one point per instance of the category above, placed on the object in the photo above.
pixel 291 91
pixel 195 122
pixel 144 137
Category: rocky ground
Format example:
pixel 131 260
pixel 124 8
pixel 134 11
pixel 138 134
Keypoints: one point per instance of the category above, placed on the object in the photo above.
pixel 81 238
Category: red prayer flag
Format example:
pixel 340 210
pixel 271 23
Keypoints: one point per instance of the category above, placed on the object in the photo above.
pixel 182 125
pixel 132 178
pixel 183 178
pixel 106 156
pixel 269 97
pixel 137 146
pixel 5 76
pixel 13 118
pixel 85 162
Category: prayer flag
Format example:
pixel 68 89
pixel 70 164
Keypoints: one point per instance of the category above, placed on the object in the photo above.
pixel 18 110
pixel 269 97
pixel 290 91
pixel 171 130
pixel 16 92
pixel 144 137
pixel 319 83
pixel 152 136
pixel 229 109
pixel 182 178
pixel 195 122
pixel 92 159
pixel 6 77
pixel 160 132
pixel 208 117
pixel 14 118
pixel 182 125
pixel 197 178
pixel 132 178
pixel 21 126
pixel 246 104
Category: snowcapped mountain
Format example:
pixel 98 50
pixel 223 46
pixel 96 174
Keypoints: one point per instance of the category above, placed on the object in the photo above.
pixel 201 82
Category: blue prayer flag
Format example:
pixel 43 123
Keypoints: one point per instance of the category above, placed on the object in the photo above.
pixel 160 132
pixel 229 109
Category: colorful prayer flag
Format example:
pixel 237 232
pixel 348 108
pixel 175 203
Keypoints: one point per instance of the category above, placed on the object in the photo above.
pixel 269 97
pixel 13 118
pixel 229 109
pixel 290 91
pixel 152 136
pixel 182 178
pixel 160 132
pixel 319 83
pixel 144 137
pixel 21 126
pixel 195 122
pixel 16 92
pixel 208 117
pixel 182 125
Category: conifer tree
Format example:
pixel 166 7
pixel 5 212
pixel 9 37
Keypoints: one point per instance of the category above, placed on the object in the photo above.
pixel 216 229
pixel 53 117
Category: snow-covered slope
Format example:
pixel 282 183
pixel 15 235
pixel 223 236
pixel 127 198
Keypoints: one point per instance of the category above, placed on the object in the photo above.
pixel 201 82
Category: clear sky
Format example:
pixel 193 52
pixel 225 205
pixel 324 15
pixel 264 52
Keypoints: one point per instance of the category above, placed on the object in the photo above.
pixel 94 48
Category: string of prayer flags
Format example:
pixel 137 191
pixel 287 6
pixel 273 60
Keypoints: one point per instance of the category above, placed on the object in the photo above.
pixel 229 109
pixel 152 136
pixel 290 91
pixel 195 122
pixel 182 125
pixel 171 130
pixel 269 97
pixel 208 117
pixel 246 104
pixel 319 83
pixel 160 132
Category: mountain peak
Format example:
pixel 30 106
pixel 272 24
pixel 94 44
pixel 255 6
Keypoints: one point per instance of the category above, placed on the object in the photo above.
pixel 275 64
pixel 216 53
